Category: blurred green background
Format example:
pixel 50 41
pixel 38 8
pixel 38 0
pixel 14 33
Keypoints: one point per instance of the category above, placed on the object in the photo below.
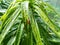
pixel 54 3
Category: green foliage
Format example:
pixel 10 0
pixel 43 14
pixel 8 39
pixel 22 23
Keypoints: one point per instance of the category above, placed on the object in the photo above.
pixel 4 4
pixel 29 22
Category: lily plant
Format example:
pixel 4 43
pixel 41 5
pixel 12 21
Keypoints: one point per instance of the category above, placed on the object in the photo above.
pixel 28 22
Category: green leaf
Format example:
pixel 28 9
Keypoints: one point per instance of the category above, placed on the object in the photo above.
pixel 47 20
pixel 19 34
pixel 9 25
pixel 11 41
pixel 36 32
